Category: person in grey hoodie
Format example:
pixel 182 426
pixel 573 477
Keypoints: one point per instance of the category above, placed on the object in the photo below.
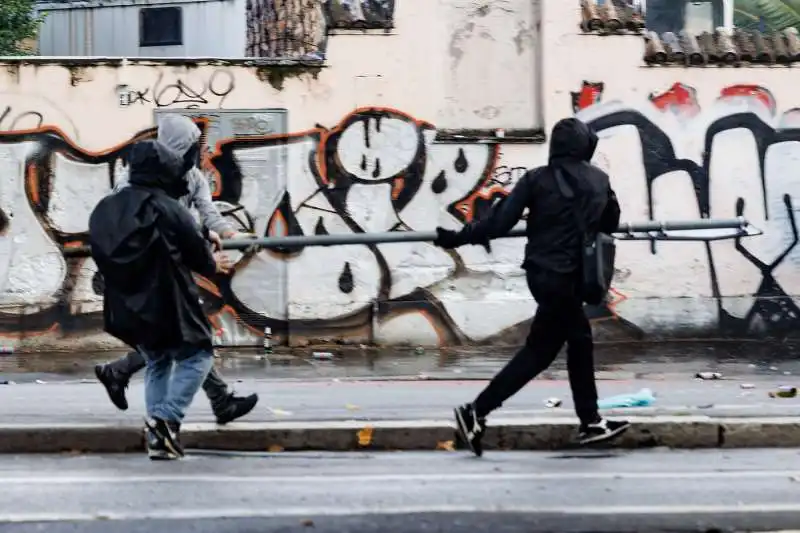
pixel 181 135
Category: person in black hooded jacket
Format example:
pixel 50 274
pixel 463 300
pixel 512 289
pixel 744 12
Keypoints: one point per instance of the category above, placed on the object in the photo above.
pixel 146 246
pixel 553 270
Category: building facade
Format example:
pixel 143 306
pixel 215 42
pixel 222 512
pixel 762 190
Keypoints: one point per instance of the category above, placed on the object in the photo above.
pixel 425 123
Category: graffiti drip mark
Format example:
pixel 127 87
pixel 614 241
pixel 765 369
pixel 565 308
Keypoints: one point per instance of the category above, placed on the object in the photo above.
pixel 461 165
pixel 591 93
pixel 439 184
pixel 283 223
pixel 320 228
pixel 346 282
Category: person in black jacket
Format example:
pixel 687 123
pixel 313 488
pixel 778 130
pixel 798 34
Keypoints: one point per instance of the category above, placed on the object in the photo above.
pixel 553 270
pixel 146 246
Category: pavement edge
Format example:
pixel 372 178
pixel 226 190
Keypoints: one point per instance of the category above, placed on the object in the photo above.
pixel 538 434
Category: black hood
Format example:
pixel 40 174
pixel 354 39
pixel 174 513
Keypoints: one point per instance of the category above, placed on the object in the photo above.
pixel 572 139
pixel 154 165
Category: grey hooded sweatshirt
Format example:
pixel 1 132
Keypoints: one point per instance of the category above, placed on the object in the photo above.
pixel 181 135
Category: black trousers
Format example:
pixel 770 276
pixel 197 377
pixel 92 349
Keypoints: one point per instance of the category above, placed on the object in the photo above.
pixel 214 386
pixel 559 318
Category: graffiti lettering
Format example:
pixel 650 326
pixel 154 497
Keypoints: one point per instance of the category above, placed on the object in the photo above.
pixel 27 120
pixel 184 93
pixel 377 170
pixel 743 165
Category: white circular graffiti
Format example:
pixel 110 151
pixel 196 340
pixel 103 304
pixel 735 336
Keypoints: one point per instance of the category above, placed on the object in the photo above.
pixel 378 148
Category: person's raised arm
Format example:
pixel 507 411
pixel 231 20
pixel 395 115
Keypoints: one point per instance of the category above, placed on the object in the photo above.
pixel 500 219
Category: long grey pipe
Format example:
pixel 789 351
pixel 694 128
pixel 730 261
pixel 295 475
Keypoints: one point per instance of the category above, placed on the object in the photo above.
pixel 428 236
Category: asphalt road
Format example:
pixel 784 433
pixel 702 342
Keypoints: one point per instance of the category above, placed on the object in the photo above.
pixel 650 491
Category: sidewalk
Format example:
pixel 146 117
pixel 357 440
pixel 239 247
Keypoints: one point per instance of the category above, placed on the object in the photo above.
pixel 415 413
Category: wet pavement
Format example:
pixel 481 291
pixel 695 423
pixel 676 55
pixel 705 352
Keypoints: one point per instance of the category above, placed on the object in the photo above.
pixel 643 491
pixel 623 359
pixel 418 384
pixel 320 396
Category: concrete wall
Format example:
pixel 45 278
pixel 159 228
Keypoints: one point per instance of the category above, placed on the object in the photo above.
pixel 360 155
pixel 420 126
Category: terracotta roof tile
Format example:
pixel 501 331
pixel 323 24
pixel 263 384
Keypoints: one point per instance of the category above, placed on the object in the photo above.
pixel 722 48
pixel 613 17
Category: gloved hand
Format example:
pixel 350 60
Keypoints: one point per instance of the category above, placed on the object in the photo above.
pixel 447 239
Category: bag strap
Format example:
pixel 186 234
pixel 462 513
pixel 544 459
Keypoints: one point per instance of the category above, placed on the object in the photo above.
pixel 569 193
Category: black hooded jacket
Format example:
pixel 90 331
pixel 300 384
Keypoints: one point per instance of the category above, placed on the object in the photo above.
pixel 146 246
pixel 554 240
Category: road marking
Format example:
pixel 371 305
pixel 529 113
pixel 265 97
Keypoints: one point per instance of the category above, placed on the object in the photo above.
pixel 309 512
pixel 119 479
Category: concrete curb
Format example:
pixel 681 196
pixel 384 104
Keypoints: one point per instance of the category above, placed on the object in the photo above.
pixel 504 434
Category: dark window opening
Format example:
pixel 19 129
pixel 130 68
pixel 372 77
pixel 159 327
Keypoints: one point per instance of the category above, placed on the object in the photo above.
pixel 160 26
pixel 676 15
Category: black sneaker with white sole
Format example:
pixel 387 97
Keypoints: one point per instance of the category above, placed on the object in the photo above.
pixel 602 431
pixel 470 427
pixel 167 433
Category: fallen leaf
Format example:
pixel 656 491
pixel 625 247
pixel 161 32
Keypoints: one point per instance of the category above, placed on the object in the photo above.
pixel 446 445
pixel 279 412
pixel 365 436
pixel 351 407
pixel 275 448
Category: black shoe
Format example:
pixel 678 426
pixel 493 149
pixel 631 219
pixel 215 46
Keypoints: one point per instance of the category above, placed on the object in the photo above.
pixel 167 433
pixel 470 427
pixel 156 447
pixel 233 407
pixel 602 431
pixel 115 386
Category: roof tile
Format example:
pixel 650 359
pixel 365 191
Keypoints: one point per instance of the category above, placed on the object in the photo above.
pixel 613 17
pixel 722 48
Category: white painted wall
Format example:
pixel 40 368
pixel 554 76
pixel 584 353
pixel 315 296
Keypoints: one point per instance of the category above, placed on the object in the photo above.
pixel 401 89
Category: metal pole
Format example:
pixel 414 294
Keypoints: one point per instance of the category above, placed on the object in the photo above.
pixel 428 236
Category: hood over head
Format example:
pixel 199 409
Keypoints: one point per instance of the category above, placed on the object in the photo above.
pixel 178 133
pixel 182 135
pixel 572 139
pixel 154 165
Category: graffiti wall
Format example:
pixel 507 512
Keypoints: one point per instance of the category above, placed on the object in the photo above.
pixel 682 160
pixel 377 170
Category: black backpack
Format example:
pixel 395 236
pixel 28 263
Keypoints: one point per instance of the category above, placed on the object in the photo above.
pixel 597 255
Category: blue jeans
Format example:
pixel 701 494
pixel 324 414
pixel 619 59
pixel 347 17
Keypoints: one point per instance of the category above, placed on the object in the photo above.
pixel 172 378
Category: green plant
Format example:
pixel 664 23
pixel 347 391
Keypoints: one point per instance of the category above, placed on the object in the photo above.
pixel 775 14
pixel 18 22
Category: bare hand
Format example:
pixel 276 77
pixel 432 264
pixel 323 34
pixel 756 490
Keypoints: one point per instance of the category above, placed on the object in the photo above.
pixel 213 236
pixel 223 262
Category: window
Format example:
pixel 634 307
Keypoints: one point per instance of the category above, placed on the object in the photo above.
pixel 160 26
pixel 676 15
pixel 699 17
